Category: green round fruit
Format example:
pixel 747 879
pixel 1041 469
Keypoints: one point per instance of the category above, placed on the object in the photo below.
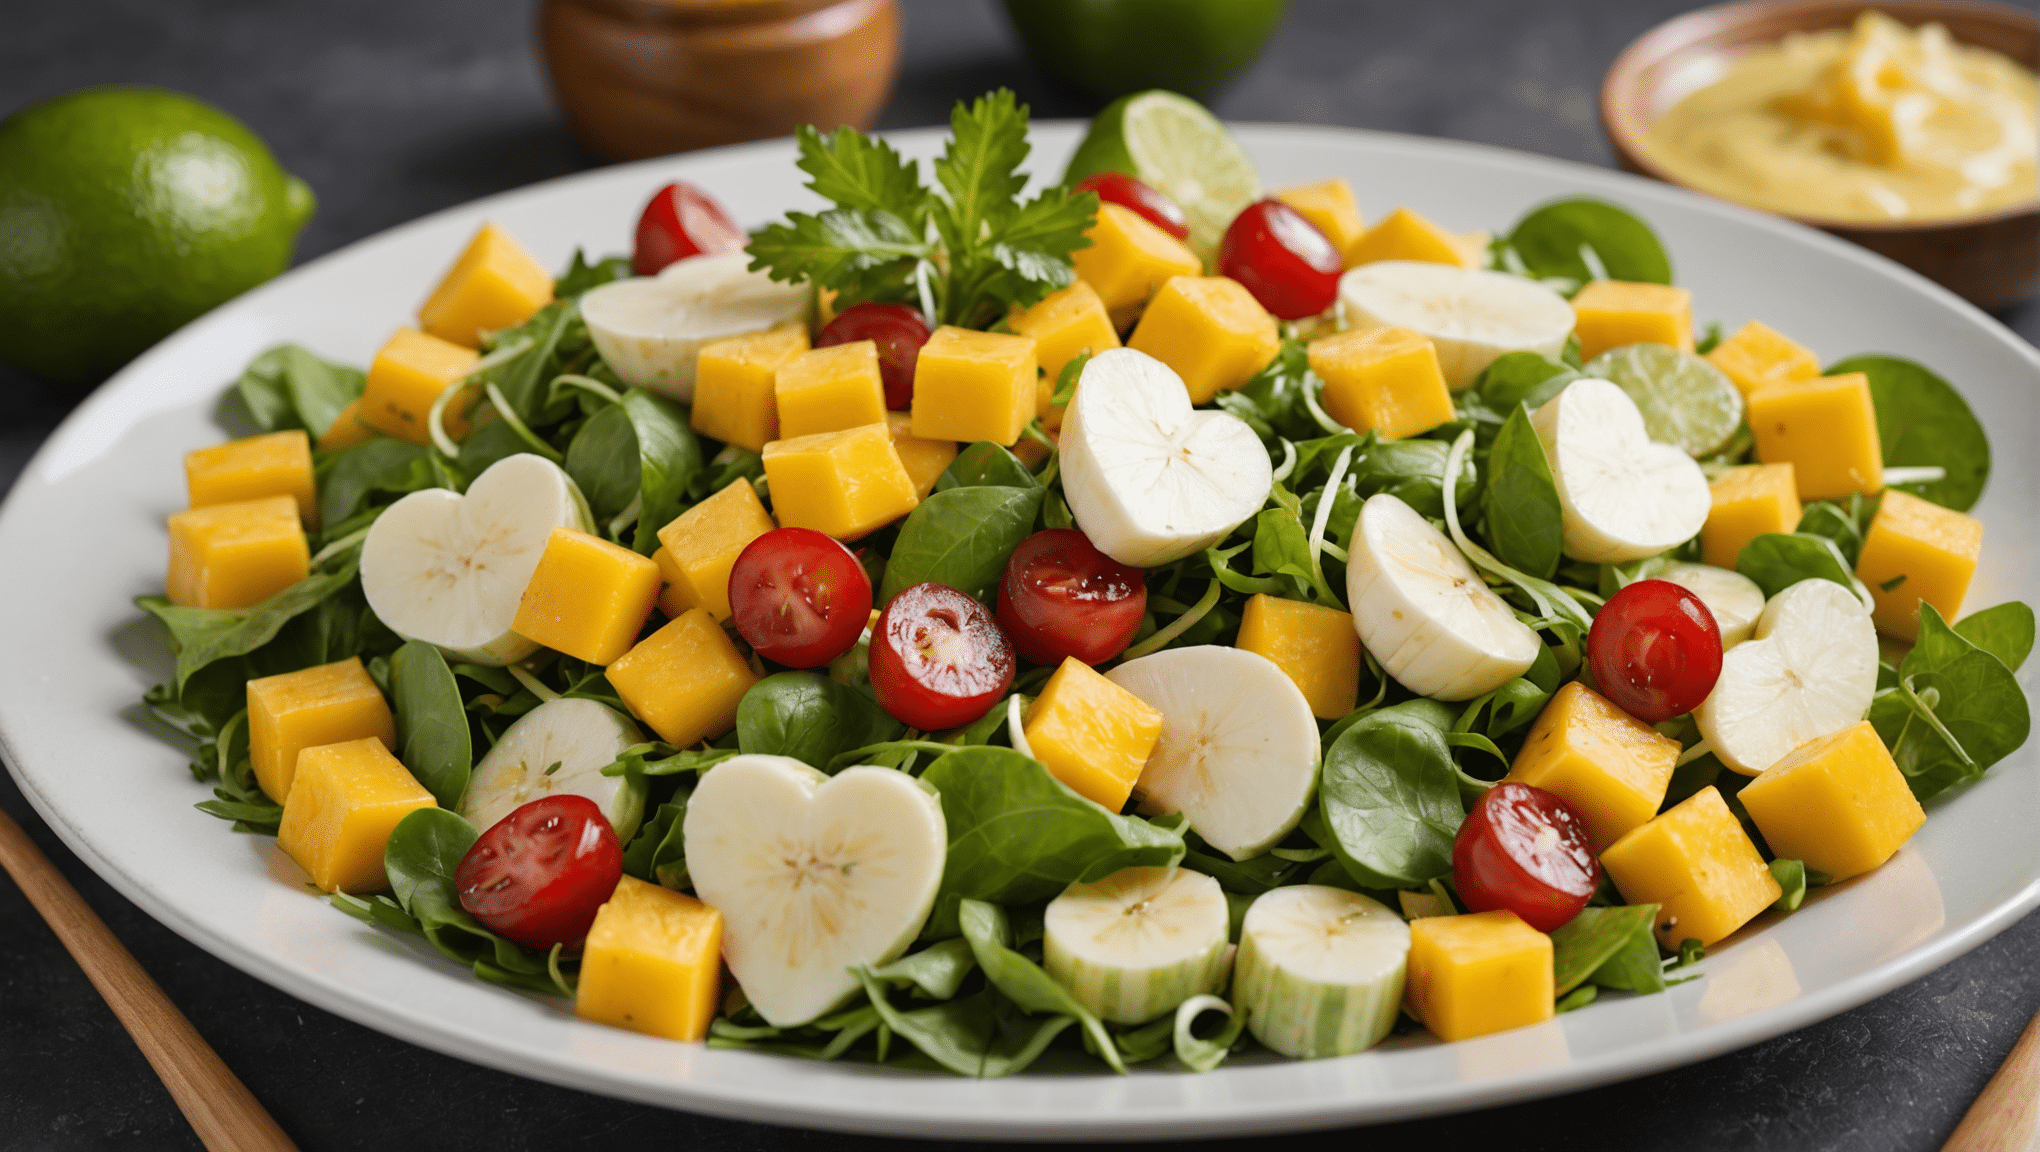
pixel 1175 145
pixel 1112 47
pixel 124 213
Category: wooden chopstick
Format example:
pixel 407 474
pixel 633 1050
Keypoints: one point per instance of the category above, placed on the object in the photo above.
pixel 226 1116
pixel 2005 1116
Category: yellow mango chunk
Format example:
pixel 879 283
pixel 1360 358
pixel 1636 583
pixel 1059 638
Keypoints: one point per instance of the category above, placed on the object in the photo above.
pixel 1751 501
pixel 1916 550
pixel 1404 235
pixel 684 680
pixel 829 389
pixel 587 597
pixel 735 397
pixel 406 378
pixel 1328 205
pixel 1610 313
pixel 1211 330
pixel 346 800
pixel 701 544
pixel 494 284
pixel 652 962
pixel 972 386
pixel 1758 355
pixel 1313 645
pixel 1064 325
pixel 1128 259
pixel 842 484
pixel 1608 766
pixel 279 464
pixel 1837 802
pixel 236 555
pixel 325 704
pixel 347 429
pixel 1698 866
pixel 1476 974
pixel 1092 734
pixel 924 460
pixel 1385 379
pixel 1826 428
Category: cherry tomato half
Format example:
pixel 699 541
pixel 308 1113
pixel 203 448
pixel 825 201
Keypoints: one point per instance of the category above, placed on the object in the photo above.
pixel 1655 650
pixel 798 597
pixel 1521 848
pixel 1123 190
pixel 1062 597
pixel 1290 267
pixel 539 874
pixel 682 221
pixel 899 333
pixel 938 659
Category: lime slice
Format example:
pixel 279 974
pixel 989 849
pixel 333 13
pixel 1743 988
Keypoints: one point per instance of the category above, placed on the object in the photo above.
pixel 1685 400
pixel 1172 143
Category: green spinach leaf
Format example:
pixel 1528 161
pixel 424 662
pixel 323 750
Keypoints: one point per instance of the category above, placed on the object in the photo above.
pixel 669 457
pixel 347 479
pixel 1922 421
pixel 1580 946
pixel 1525 524
pixel 810 717
pixel 1550 239
pixel 1778 560
pixel 602 458
pixel 961 538
pixel 1022 980
pixel 290 387
pixel 658 853
pixel 984 1035
pixel 1957 710
pixel 420 857
pixel 432 729
pixel 203 635
pixel 985 464
pixel 2005 632
pixel 1390 796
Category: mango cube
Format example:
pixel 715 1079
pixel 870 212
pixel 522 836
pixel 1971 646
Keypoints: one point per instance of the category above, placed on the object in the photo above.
pixel 1826 428
pixel 1210 330
pixel 346 430
pixel 1385 379
pixel 1404 235
pixel 1092 734
pixel 1698 866
pixel 924 460
pixel 1610 313
pixel 1837 802
pixel 236 555
pixel 346 801
pixel 652 962
pixel 1758 355
pixel 1610 767
pixel 1315 646
pixel 405 380
pixel 684 680
pixel 703 543
pixel 1751 501
pixel 494 284
pixel 735 396
pixel 324 704
pixel 1330 207
pixel 1916 550
pixel 973 386
pixel 842 484
pixel 1476 974
pixel 279 464
pixel 1128 259
pixel 587 597
pixel 829 389
pixel 1064 325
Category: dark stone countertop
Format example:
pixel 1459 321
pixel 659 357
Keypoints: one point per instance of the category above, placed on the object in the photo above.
pixel 395 110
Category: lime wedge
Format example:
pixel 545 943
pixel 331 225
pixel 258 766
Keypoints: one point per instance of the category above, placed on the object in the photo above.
pixel 1685 400
pixel 1172 143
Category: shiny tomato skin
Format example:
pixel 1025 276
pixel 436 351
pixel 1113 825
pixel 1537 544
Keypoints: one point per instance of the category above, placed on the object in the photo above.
pixel 938 659
pixel 1062 597
pixel 539 874
pixel 899 332
pixel 682 221
pixel 1123 190
pixel 798 597
pixel 1291 268
pixel 1524 849
pixel 1655 650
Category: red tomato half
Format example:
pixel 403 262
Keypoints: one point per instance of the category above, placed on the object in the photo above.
pixel 1062 597
pixel 682 221
pixel 1123 190
pixel 1290 267
pixel 1655 650
pixel 899 333
pixel 798 597
pixel 938 659
pixel 539 874
pixel 1523 849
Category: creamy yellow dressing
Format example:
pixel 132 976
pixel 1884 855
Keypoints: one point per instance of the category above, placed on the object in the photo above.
pixel 1876 123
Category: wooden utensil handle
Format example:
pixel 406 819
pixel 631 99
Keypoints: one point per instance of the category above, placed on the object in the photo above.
pixel 220 1108
pixel 2006 1116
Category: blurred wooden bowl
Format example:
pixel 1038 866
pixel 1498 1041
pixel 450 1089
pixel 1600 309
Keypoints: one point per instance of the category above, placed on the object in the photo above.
pixel 1991 260
pixel 641 78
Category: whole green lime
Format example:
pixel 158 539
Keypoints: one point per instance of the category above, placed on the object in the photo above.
pixel 1110 48
pixel 124 213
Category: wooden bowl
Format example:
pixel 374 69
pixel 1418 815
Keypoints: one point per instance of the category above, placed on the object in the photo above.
pixel 641 78
pixel 1991 260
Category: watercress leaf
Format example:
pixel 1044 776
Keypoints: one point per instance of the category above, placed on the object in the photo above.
pixel 1549 241
pixel 985 464
pixel 1923 421
pixel 2005 632
pixel 668 458
pixel 1522 378
pixel 809 717
pixel 203 635
pixel 1822 518
pixel 1525 524
pixel 602 458
pixel 1390 796
pixel 348 478
pixel 1022 980
pixel 1589 940
pixel 937 971
pixel 1778 560
pixel 581 275
pixel 961 538
pixel 432 729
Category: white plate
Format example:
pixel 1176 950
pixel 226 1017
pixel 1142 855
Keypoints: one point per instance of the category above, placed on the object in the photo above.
pixel 82 533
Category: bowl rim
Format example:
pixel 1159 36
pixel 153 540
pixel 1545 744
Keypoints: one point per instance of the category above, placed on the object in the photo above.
pixel 1625 128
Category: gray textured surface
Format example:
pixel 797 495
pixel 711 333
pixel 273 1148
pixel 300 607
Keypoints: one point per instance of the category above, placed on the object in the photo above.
pixel 392 110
